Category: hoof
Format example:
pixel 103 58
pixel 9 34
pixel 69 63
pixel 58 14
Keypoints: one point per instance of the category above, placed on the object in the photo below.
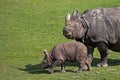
pixel 102 65
pixel 98 65
pixel 89 69
pixel 50 71
pixel 85 67
pixel 63 71
pixel 79 71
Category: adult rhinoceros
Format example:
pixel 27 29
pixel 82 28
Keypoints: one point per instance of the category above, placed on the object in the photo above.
pixel 98 27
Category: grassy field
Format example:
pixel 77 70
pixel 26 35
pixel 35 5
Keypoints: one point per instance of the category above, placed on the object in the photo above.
pixel 27 27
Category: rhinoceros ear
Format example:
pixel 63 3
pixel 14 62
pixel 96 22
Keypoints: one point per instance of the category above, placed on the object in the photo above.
pixel 46 53
pixel 67 18
pixel 75 13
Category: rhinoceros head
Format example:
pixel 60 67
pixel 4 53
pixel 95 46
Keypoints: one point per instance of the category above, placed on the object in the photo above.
pixel 73 27
pixel 46 62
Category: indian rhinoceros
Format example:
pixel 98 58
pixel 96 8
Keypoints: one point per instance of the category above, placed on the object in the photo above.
pixel 99 27
pixel 62 52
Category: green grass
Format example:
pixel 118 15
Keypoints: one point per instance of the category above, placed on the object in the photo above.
pixel 27 27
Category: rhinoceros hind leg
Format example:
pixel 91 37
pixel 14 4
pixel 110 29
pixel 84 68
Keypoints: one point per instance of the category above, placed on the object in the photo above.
pixel 81 66
pixel 88 66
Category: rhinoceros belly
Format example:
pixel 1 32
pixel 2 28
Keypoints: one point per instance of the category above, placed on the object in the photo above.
pixel 115 47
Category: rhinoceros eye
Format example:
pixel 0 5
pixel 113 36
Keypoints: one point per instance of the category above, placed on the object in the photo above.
pixel 44 61
pixel 77 24
pixel 68 23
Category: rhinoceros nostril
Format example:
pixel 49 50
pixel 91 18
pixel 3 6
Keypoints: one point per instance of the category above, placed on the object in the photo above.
pixel 64 31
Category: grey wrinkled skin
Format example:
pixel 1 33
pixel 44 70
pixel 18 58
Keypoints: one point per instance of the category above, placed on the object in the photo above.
pixel 98 27
pixel 70 51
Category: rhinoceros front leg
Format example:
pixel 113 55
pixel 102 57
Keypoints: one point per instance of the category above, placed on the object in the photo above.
pixel 103 49
pixel 90 53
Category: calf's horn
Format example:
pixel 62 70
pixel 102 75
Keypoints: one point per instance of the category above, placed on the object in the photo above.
pixel 67 18
pixel 46 52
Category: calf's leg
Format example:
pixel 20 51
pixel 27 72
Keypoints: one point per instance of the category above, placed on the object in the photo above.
pixel 62 67
pixel 54 64
pixel 88 65
pixel 81 66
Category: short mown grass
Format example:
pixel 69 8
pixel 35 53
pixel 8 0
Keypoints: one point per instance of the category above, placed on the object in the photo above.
pixel 27 27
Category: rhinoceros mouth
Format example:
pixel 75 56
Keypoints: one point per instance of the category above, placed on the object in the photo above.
pixel 68 34
pixel 44 66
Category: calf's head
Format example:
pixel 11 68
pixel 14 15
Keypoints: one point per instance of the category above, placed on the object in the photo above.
pixel 46 62
pixel 73 27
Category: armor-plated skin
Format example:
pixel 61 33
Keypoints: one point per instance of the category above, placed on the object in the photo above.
pixel 98 27
pixel 70 51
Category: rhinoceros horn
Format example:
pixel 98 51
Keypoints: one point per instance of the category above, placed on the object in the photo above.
pixel 46 52
pixel 67 18
pixel 75 13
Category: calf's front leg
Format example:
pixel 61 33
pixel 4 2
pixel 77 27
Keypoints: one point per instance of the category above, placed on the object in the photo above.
pixel 54 64
pixel 62 67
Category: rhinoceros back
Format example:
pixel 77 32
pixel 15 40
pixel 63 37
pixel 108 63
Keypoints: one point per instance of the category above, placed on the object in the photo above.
pixel 104 24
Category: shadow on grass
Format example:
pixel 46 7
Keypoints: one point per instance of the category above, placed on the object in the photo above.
pixel 111 62
pixel 35 69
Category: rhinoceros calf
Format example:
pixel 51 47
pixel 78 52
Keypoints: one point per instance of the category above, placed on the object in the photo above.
pixel 71 51
pixel 98 27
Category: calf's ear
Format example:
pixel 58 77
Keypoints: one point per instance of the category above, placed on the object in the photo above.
pixel 46 52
